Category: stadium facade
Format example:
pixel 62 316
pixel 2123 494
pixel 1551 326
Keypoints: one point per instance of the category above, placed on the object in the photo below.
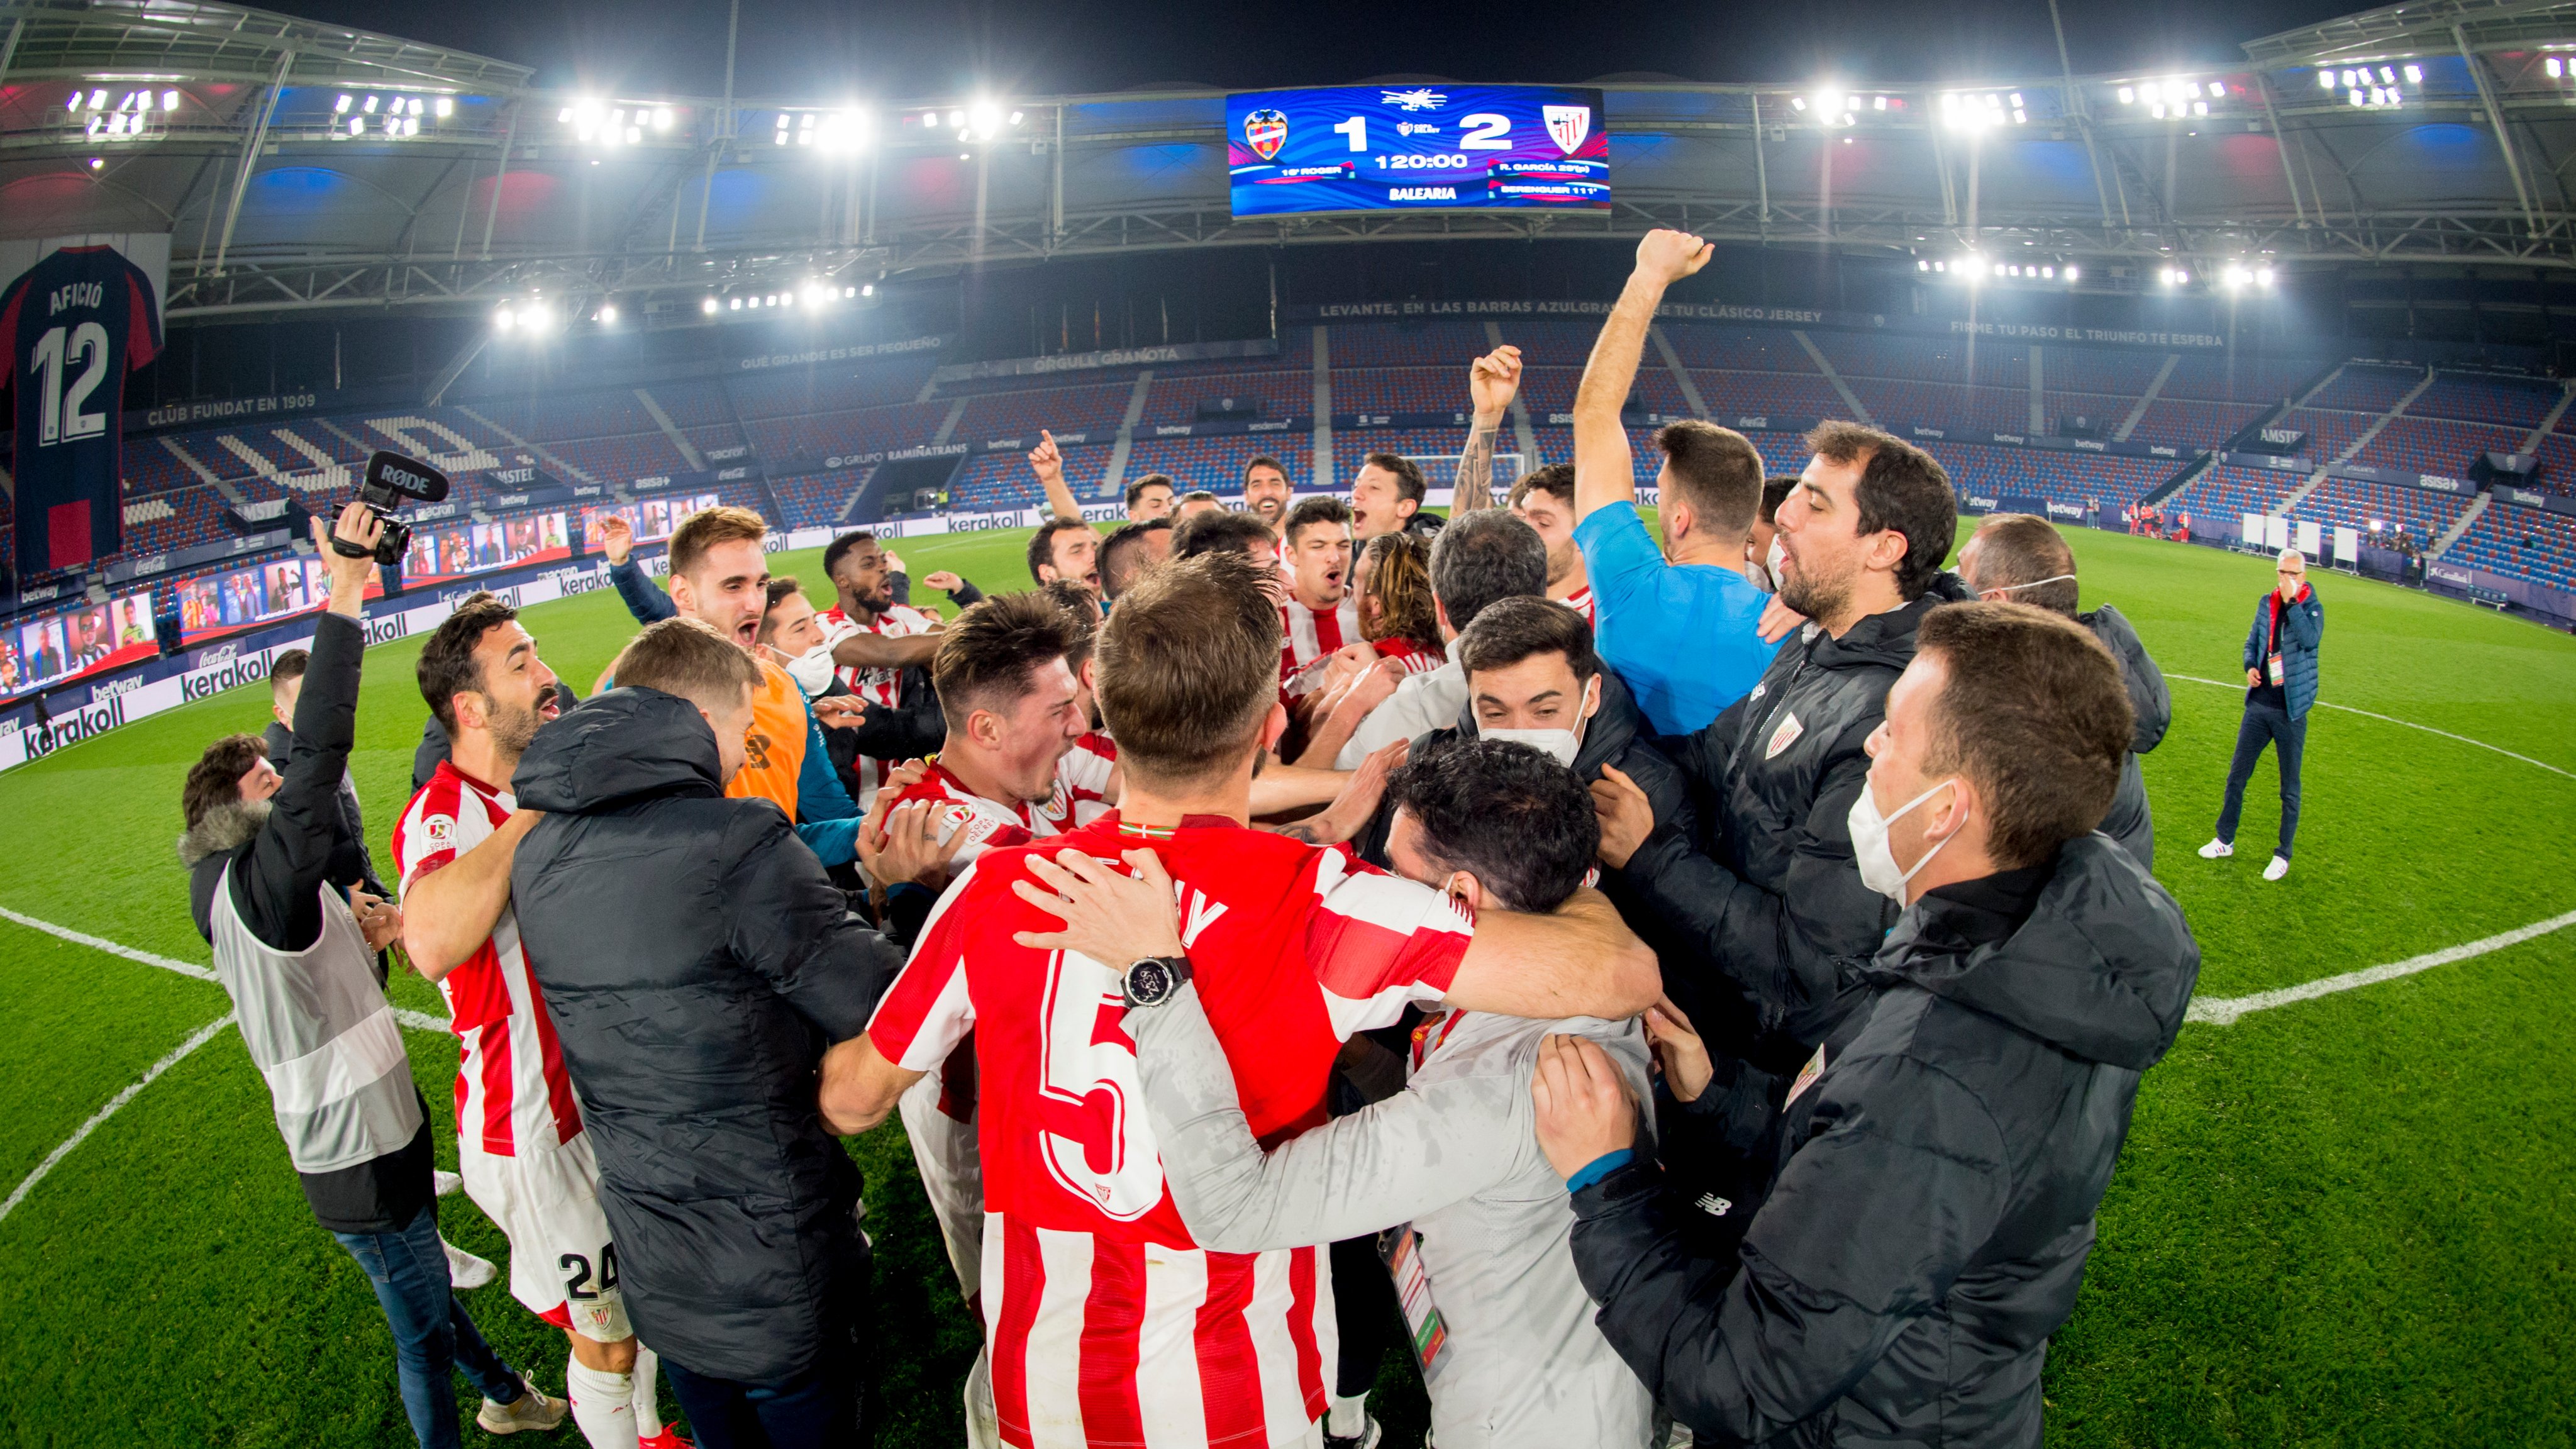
pixel 2309 298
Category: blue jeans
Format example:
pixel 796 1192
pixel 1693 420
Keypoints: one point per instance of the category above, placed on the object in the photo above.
pixel 2265 725
pixel 432 1336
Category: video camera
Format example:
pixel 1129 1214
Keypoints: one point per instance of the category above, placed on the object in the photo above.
pixel 391 479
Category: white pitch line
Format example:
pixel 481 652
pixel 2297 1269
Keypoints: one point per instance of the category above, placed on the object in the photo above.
pixel 2224 1010
pixel 2392 719
pixel 110 947
pixel 416 1020
pixel 203 1035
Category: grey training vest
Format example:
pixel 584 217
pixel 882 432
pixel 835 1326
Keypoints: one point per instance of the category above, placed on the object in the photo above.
pixel 321 1032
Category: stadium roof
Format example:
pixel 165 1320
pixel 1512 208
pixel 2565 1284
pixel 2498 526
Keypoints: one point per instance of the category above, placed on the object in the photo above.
pixel 302 166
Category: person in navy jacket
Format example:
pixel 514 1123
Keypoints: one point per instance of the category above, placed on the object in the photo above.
pixel 2281 686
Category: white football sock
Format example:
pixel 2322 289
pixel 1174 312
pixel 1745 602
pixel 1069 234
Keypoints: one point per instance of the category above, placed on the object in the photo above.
pixel 648 1407
pixel 1347 1418
pixel 602 1404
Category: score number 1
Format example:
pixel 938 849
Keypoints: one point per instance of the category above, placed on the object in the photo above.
pixel 1481 131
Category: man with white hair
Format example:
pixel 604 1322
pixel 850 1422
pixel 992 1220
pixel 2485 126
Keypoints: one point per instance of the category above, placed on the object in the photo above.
pixel 2280 687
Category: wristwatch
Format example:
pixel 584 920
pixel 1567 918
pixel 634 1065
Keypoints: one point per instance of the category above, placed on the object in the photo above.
pixel 1153 980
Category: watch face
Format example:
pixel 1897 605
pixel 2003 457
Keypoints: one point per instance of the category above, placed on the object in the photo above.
pixel 1148 982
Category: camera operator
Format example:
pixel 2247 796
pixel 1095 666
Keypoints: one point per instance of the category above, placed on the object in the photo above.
pixel 301 968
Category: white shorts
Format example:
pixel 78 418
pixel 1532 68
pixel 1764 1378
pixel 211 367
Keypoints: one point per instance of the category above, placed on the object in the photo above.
pixel 562 1264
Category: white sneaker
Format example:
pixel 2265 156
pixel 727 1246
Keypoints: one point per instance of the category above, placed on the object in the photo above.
pixel 466 1271
pixel 2279 867
pixel 447 1183
pixel 2217 850
pixel 532 1410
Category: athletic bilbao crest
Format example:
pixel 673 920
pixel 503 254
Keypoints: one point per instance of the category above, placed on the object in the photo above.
pixel 1570 125
pixel 1266 131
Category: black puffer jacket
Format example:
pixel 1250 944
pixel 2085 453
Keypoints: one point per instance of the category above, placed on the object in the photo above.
pixel 1939 1175
pixel 696 962
pixel 2130 822
pixel 1754 886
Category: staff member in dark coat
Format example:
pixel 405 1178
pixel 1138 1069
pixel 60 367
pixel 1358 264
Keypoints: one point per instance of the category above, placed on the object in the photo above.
pixel 1755 883
pixel 2280 688
pixel 697 963
pixel 1945 1148
pixel 2020 558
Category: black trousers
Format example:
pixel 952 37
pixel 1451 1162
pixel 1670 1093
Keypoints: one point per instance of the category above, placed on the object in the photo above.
pixel 2265 725
pixel 822 1408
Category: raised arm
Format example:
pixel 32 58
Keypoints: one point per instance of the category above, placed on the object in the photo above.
pixel 1492 380
pixel 1355 1175
pixel 1604 470
pixel 278 890
pixel 1048 462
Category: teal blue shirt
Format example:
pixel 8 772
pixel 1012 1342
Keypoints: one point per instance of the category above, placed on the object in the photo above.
pixel 1682 636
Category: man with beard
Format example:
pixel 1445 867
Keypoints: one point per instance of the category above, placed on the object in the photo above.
pixel 881 650
pixel 519 1140
pixel 1766 922
pixel 1544 499
pixel 1679 623
pixel 1265 491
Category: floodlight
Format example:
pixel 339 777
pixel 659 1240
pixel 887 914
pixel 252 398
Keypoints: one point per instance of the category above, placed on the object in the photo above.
pixel 2128 95
pixel 76 101
pixel 95 164
pixel 2263 276
pixel 2326 78
pixel 868 290
pixel 97 100
pixel 357 125
pixel 446 107
pixel 170 101
pixel 708 306
pixel 849 291
pixel 1921 265
pixel 2414 75
pixel 787 299
pixel 608 315
pixel 339 107
pixel 661 118
pixel 2070 274
pixel 1797 103
pixel 2552 64
pixel 370 107
pixel 737 303
pixel 957 118
pixel 504 320
pixel 1016 118
pixel 540 319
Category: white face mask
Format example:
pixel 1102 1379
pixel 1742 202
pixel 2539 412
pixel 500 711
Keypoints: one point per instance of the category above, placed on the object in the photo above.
pixel 1559 745
pixel 1771 562
pixel 812 671
pixel 1878 868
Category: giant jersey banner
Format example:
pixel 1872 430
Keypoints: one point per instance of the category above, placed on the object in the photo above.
pixel 77 316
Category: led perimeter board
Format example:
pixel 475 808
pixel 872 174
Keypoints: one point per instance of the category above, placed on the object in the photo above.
pixel 1417 148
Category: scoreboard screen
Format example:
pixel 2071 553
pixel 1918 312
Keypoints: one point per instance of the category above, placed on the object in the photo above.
pixel 1417 148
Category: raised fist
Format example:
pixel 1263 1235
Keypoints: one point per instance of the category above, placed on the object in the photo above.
pixel 1668 256
pixel 1493 378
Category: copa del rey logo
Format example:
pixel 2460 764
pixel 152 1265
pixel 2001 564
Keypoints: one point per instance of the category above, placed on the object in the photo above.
pixel 1570 126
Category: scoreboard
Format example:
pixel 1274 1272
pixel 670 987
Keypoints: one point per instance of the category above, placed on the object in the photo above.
pixel 1417 148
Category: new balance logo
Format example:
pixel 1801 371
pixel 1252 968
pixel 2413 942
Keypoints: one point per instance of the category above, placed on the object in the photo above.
pixel 1713 1205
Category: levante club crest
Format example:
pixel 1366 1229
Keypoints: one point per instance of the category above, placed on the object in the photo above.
pixel 1568 125
pixel 1266 131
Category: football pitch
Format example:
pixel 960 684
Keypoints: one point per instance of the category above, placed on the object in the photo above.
pixel 2346 1216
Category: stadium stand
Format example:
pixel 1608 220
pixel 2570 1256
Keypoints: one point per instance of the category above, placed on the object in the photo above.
pixel 795 420
pixel 2523 541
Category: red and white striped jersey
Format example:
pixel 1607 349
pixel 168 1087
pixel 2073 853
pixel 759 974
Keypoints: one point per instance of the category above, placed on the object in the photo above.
pixel 1106 1324
pixel 1081 795
pixel 1311 636
pixel 875 686
pixel 1580 601
pixel 511 1086
pixel 1414 658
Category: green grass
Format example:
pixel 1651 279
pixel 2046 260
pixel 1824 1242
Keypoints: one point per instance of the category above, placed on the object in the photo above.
pixel 2342 1222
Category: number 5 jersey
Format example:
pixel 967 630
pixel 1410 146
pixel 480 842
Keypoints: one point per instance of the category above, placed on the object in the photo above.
pixel 76 323
pixel 1105 1323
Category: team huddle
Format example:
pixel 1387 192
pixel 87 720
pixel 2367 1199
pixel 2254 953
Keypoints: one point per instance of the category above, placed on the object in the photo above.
pixel 1682 989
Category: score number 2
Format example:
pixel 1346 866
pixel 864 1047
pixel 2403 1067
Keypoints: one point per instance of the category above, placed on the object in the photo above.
pixel 1481 131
